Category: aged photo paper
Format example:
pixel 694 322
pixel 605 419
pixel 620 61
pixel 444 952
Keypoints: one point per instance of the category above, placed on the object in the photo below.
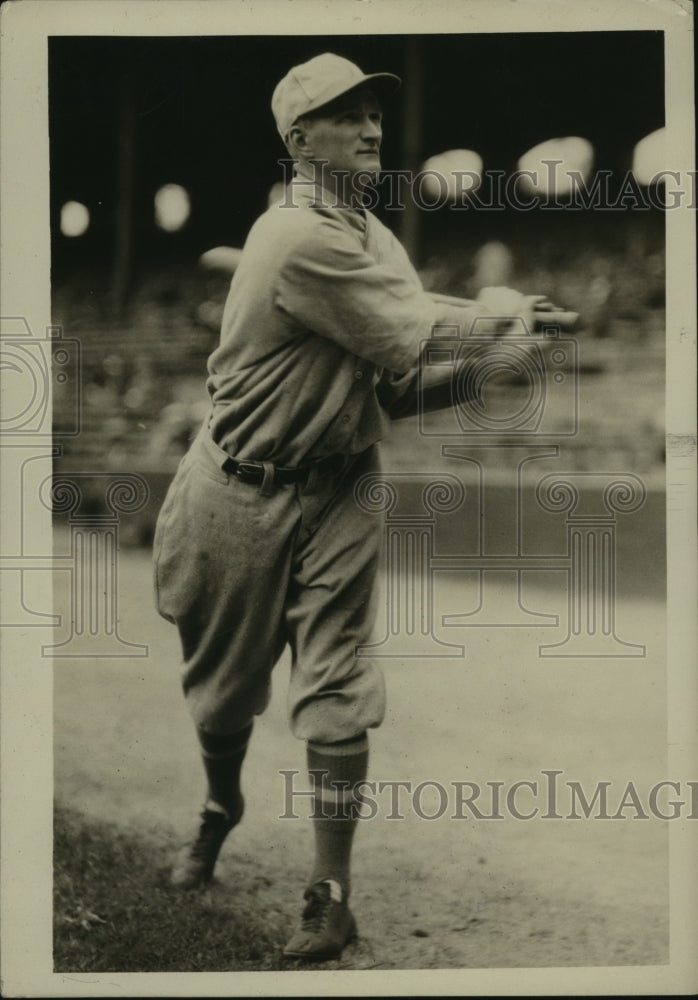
pixel 529 821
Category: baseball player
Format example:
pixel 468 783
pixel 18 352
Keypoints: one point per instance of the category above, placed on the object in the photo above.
pixel 260 543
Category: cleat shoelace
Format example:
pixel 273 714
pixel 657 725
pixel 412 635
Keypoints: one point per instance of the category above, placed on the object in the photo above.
pixel 212 832
pixel 315 914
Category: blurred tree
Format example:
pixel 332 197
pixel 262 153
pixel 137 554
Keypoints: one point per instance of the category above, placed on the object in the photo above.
pixel 124 206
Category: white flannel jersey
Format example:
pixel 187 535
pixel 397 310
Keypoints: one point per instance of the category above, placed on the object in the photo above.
pixel 322 331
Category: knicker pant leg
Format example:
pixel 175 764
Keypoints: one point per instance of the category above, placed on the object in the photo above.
pixel 222 561
pixel 334 694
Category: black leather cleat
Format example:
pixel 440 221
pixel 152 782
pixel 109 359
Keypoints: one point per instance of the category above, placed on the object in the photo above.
pixel 194 864
pixel 327 924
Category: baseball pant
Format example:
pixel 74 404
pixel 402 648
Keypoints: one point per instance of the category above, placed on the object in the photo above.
pixel 242 573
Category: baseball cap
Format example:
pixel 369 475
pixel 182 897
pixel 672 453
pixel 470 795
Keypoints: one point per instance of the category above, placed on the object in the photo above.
pixel 315 83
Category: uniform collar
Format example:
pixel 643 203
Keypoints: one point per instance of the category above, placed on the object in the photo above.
pixel 304 192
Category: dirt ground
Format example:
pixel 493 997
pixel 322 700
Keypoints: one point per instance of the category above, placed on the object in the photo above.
pixel 428 893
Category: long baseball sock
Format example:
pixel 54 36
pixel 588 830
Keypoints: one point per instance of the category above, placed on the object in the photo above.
pixel 334 817
pixel 223 757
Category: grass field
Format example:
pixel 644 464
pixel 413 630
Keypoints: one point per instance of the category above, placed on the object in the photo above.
pixel 428 894
pixel 101 869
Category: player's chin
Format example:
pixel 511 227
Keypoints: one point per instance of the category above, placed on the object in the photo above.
pixel 368 168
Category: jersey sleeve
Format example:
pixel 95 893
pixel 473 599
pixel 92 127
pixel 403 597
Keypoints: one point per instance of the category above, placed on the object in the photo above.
pixel 430 387
pixel 420 390
pixel 330 285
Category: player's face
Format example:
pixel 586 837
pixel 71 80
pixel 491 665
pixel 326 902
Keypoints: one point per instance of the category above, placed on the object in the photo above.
pixel 349 136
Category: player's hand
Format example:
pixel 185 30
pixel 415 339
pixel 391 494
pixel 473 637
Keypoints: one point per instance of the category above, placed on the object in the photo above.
pixel 507 306
pixel 532 309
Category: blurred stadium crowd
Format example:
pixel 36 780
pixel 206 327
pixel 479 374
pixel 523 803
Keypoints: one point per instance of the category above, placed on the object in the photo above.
pixel 143 379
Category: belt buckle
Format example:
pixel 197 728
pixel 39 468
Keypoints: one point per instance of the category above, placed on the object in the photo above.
pixel 249 472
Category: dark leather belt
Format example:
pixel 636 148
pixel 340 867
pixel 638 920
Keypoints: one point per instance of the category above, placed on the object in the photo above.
pixel 253 472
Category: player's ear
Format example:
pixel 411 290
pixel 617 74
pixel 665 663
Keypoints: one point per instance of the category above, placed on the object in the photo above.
pixel 298 139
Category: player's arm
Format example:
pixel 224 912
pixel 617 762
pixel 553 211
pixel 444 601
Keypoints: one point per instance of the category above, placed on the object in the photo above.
pixel 330 285
pixel 501 311
pixel 543 310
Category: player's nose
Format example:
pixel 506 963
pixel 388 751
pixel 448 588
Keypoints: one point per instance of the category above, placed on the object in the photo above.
pixel 371 129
